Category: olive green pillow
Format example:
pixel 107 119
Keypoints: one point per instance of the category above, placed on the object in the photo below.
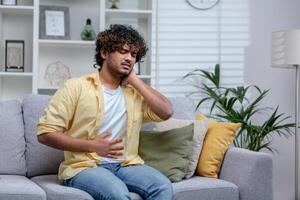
pixel 168 151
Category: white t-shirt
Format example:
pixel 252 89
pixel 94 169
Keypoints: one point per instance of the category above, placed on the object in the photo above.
pixel 115 117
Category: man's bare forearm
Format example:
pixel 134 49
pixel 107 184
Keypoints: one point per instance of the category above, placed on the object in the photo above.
pixel 100 144
pixel 159 104
pixel 65 142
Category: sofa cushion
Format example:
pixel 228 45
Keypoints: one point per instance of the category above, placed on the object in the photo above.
pixel 14 187
pixel 12 135
pixel 40 159
pixel 218 138
pixel 172 152
pixel 193 188
pixel 184 107
pixel 205 188
pixel 200 128
pixel 56 191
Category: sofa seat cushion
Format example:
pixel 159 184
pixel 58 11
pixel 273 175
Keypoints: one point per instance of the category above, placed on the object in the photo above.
pixel 205 188
pixel 56 191
pixel 193 188
pixel 15 187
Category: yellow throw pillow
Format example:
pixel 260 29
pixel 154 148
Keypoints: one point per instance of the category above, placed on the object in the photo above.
pixel 216 142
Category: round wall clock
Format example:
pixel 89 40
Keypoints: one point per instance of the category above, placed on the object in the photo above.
pixel 202 4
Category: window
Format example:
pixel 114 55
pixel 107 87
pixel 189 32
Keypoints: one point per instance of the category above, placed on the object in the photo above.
pixel 189 39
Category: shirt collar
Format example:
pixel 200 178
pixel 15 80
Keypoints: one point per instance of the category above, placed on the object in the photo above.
pixel 94 78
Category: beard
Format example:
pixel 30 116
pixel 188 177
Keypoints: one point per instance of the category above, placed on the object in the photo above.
pixel 119 70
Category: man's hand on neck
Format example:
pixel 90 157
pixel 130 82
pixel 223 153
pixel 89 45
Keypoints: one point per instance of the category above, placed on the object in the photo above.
pixel 112 81
pixel 131 79
pixel 158 103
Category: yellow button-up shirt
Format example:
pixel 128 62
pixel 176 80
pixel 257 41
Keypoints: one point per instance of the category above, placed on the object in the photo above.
pixel 77 109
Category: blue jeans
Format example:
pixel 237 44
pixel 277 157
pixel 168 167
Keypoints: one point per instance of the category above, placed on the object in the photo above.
pixel 114 182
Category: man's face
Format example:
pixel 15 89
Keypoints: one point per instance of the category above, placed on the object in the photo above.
pixel 121 61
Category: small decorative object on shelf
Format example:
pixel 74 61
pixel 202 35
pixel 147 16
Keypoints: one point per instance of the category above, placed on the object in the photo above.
pixel 114 4
pixel 9 2
pixel 137 68
pixel 14 55
pixel 88 32
pixel 54 22
pixel 57 73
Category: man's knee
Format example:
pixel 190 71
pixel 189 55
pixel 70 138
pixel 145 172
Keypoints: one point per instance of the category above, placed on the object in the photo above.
pixel 166 186
pixel 162 189
pixel 113 195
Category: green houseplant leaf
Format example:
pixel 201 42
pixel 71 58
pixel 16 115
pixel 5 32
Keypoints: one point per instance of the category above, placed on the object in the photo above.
pixel 232 104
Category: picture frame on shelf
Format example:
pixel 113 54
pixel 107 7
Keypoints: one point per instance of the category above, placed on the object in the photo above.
pixel 14 55
pixel 54 22
pixel 137 68
pixel 9 2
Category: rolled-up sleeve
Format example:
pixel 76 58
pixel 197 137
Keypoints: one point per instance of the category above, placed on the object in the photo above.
pixel 149 115
pixel 59 113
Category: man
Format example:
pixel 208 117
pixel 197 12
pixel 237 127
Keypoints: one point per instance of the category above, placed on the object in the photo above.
pixel 96 120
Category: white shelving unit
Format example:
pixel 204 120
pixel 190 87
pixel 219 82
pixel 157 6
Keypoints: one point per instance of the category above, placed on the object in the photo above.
pixel 66 43
pixel 16 9
pixel 22 22
pixel 15 74
pixel 142 14
pixel 16 23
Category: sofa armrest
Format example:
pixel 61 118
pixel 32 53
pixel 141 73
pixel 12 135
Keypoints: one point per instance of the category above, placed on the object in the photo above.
pixel 251 171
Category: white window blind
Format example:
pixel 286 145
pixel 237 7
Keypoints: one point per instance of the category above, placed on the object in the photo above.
pixel 189 39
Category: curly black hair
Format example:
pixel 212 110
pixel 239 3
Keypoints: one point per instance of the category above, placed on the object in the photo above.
pixel 115 38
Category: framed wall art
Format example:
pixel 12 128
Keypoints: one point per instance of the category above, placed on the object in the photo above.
pixel 54 22
pixel 14 55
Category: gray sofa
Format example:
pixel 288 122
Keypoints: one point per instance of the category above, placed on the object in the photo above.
pixel 28 169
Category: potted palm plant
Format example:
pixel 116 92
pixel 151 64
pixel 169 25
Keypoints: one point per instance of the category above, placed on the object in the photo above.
pixel 232 104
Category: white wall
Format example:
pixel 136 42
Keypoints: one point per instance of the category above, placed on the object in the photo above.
pixel 268 16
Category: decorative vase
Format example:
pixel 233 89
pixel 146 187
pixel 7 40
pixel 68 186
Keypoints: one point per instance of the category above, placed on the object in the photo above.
pixel 88 32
